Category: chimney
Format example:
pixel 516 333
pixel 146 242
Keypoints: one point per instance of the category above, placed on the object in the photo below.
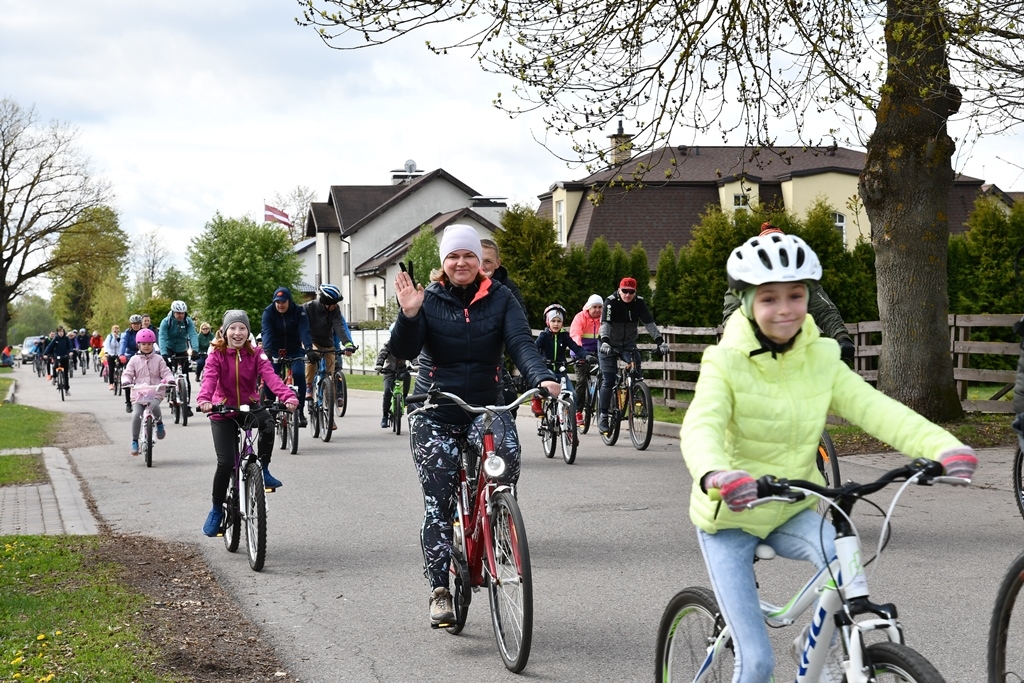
pixel 622 146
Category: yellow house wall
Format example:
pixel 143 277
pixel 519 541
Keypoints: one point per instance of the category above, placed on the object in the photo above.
pixel 572 204
pixel 835 188
pixel 727 191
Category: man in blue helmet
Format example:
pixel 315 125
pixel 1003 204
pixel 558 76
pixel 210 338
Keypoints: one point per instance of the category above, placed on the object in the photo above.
pixel 327 327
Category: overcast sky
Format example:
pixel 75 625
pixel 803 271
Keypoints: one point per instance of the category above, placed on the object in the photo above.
pixel 189 108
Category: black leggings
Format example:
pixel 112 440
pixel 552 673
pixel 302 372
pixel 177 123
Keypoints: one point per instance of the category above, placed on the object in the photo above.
pixel 225 443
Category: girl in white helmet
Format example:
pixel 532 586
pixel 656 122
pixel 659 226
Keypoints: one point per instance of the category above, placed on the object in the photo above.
pixel 759 408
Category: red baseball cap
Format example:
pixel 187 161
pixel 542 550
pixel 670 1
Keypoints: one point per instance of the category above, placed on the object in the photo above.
pixel 627 283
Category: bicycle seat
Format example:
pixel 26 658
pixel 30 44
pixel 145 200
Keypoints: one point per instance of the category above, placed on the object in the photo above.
pixel 764 552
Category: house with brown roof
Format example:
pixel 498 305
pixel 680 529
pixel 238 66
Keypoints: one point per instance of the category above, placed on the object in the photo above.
pixel 362 231
pixel 658 197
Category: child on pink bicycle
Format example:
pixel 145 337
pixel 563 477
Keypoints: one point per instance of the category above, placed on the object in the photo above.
pixel 146 367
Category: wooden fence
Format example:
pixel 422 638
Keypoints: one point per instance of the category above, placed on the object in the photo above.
pixel 678 373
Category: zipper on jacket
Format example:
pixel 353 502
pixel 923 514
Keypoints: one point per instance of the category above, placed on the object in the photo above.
pixel 238 386
pixel 465 311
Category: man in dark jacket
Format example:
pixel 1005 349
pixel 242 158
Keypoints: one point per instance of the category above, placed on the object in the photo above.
pixel 285 333
pixel 620 322
pixel 60 350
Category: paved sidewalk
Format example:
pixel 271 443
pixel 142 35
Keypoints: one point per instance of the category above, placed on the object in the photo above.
pixel 46 509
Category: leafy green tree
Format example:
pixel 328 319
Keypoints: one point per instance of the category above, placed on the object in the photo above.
pixel 620 265
pixel 30 315
pixel 600 270
pixel 576 285
pixel 663 304
pixel 110 304
pixel 993 240
pixel 423 254
pixel 686 65
pixel 75 284
pixel 533 258
pixel 639 268
pixel 174 284
pixel 46 189
pixel 702 279
pixel 238 263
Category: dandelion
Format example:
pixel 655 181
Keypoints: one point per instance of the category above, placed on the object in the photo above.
pixel 17 661
pixel 41 636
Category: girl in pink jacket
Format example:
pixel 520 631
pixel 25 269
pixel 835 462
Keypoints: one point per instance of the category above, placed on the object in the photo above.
pixel 231 377
pixel 146 367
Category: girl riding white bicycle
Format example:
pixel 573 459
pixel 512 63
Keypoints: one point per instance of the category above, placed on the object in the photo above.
pixel 759 408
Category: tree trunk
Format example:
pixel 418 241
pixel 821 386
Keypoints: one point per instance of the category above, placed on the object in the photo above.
pixel 5 316
pixel 905 187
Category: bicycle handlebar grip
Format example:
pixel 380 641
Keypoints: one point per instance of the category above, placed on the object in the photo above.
pixel 417 398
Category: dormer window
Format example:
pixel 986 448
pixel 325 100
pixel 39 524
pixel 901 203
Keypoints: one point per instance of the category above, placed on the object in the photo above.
pixel 839 220
pixel 740 202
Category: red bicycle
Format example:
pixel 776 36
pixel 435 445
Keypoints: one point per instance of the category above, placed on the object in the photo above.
pixel 489 547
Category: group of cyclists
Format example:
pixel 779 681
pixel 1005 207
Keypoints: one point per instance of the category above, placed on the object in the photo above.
pixel 771 367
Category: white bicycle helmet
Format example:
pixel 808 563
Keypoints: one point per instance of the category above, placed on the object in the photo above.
pixel 772 258
pixel 179 307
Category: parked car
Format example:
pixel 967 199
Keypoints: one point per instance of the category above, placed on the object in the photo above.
pixel 26 349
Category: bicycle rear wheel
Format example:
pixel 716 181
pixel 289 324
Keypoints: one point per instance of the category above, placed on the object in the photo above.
pixel 1005 634
pixel 689 625
pixel 615 422
pixel 462 594
pixel 641 416
pixel 341 393
pixel 590 402
pixel 548 425
pixel 511 591
pixel 60 384
pixel 255 516
pixel 568 437
pixel 232 515
pixel 326 410
pixel 149 441
pixel 396 412
pixel 172 401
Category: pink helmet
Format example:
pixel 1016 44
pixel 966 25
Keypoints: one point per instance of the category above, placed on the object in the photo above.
pixel 145 336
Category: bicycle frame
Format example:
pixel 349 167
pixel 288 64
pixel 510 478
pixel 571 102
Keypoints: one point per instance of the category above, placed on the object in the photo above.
pixel 839 590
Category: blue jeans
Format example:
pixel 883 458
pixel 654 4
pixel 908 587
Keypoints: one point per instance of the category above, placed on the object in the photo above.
pixel 729 556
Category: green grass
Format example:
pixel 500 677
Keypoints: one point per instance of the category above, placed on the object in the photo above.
pixel 22 469
pixel 25 427
pixel 368 382
pixel 66 618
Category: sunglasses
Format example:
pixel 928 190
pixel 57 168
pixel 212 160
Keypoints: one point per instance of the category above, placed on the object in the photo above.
pixel 628 291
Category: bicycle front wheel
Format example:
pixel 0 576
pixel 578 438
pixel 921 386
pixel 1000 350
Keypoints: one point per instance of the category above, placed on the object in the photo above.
pixel 172 401
pixel 341 393
pixel 282 431
pixel 60 384
pixel 293 426
pixel 183 399
pixel 1005 636
pixel 397 408
pixel 511 590
pixel 690 625
pixel 149 442
pixel 892 662
pixel 548 422
pixel 615 423
pixel 255 516
pixel 1018 478
pixel 568 437
pixel 641 416
pixel 326 410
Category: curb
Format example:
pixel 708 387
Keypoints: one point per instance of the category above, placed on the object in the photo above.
pixel 10 392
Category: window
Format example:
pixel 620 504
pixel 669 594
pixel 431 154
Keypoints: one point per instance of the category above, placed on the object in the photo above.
pixel 839 220
pixel 560 221
pixel 740 202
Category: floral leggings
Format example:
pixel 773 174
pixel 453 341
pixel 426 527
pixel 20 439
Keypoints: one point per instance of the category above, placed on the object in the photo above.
pixel 435 452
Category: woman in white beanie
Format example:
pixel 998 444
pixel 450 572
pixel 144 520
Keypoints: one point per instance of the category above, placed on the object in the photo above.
pixel 585 330
pixel 458 327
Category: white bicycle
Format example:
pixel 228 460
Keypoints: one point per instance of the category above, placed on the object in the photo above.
pixel 695 644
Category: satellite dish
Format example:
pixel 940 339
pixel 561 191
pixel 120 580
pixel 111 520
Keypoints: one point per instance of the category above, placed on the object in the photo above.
pixel 410 166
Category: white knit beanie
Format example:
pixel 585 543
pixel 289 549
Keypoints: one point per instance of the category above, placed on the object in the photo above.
pixel 594 300
pixel 460 237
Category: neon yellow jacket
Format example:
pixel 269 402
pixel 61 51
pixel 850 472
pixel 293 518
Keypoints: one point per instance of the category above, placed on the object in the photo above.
pixel 765 415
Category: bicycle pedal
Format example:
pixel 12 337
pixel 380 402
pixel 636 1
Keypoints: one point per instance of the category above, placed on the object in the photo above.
pixel 441 625
pixel 269 489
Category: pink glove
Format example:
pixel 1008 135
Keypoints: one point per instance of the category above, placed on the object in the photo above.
pixel 291 405
pixel 124 359
pixel 959 462
pixel 736 486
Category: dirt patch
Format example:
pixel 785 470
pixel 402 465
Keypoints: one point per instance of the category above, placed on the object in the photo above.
pixel 197 627
pixel 976 430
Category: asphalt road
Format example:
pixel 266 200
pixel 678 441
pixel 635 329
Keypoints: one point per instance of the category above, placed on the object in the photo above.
pixel 342 596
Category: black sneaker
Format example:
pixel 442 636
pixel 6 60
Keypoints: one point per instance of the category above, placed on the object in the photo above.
pixel 188 411
pixel 302 420
pixel 604 424
pixel 385 422
pixel 127 407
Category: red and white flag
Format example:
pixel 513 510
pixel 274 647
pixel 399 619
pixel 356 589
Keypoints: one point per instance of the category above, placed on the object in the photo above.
pixel 272 215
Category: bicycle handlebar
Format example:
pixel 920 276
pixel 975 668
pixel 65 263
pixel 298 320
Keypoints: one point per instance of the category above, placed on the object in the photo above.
pixel 429 401
pixel 220 409
pixel 771 489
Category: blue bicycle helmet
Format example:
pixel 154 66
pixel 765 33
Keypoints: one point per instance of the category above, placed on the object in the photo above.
pixel 329 294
